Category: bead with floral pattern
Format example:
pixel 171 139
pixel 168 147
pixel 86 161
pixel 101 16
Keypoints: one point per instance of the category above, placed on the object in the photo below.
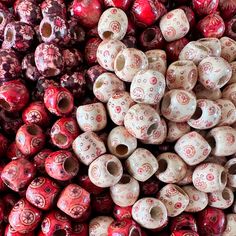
pixel 53 8
pixel 99 225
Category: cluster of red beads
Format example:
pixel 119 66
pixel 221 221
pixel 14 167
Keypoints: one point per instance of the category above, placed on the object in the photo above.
pixel 117 117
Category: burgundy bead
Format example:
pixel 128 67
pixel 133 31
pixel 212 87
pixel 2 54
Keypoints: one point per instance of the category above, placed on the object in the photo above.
pixel 2 209
pixel 85 216
pixel 131 30
pixel 184 232
pixel 9 231
pixel 230 30
pixel 190 15
pixel 130 41
pixel 122 4
pixel 39 160
pixel 3 187
pixel 80 229
pixel 205 7
pixel 121 213
pixel 13 152
pixel 9 201
pixel 90 51
pixel 102 203
pixel 227 8
pixel 211 221
pixel 53 8
pixel 149 187
pixel 93 32
pixel 73 59
pixel 3 145
pixel 17 174
pixel 77 33
pixel 151 38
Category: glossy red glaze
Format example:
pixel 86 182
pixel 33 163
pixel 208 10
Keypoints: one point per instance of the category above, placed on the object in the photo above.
pixel 13 152
pixel 80 229
pixel 205 7
pixel 121 213
pixel 102 203
pixel 9 231
pixel 190 15
pixel 39 160
pixel 149 187
pixel 230 30
pixel 184 233
pixel 9 201
pixel 122 4
pixel 3 145
pixel 90 50
pixel 17 174
pixel 227 8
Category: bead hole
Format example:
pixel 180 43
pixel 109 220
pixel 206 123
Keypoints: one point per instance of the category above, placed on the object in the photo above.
pixel 60 232
pixel 63 104
pixel 152 59
pixel 226 194
pixel 162 165
pixel 125 179
pixel 9 35
pixel 32 130
pixel 134 232
pixel 5 105
pixel 223 177
pixel 107 34
pixel 46 30
pixel 152 128
pixel 149 35
pixel 120 62
pixel 112 168
pixel 234 27
pixel 155 213
pixel 121 149
pixel 166 102
pixel 232 169
pixel 222 80
pixel 197 114
pixel 60 139
pixel 70 165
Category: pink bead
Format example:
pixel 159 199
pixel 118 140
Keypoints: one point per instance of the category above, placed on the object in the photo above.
pixel 203 93
pixel 99 225
pixel 213 44
pixel 230 225
pixel 228 49
pixel 230 166
pixel 176 130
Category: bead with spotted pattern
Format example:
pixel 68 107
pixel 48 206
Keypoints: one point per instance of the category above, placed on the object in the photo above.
pixel 99 225
pixel 228 49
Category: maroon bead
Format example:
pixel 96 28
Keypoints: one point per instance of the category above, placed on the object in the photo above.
pixel 130 41
pixel 77 33
pixel 125 227
pixel 93 32
pixel 2 209
pixel 56 223
pixel 64 131
pixel 122 4
pixel 30 139
pixel 3 145
pixel 87 12
pixel 211 221
pixel 190 15
pixel 151 38
pixel 9 201
pixel 53 8
pixel 80 229
pixel 7 2
pixel 205 7
pixel 85 216
pixel 3 187
pixel 227 8
pixel 74 201
pixel 184 233
pixel 149 187
pixel 9 231
pixel 230 30
pixel 13 152
pixel 131 30
pixel 73 58
pixel 62 165
pixel 90 51
pixel 174 48
pixel 17 174
pixel 39 160
pixel 58 100
pixel 212 26
pixel 10 67
pixel 121 213
pixel 102 203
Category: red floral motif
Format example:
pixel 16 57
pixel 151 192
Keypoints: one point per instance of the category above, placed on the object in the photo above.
pixel 183 98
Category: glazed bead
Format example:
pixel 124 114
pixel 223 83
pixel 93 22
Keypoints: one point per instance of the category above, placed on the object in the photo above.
pixel 141 164
pixel 230 167
pixel 39 160
pixel 197 200
pixel 148 86
pixel 99 225
pixel 42 193
pixel 207 115
pixel 118 105
pixel 171 168
pixel 61 165
pixel 228 49
pixel 174 25
pixel 53 8
pixel 88 146
pixel 203 93
pixel 157 60
pixel 121 213
pixel 230 225
pixel 58 100
pixel 205 7
pixel 178 105
pixel 176 130
pixel 230 30
pixel 194 51
pixel 105 171
pixel 209 177
pixel 222 140
pixel 106 85
pixel 24 217
pixel 187 178
pixel 73 201
pixel 91 117
pixel 150 213
pixel 213 44
pixel 56 222
pixel 14 96
pixel 48 60
pixel 6 18
pixel 121 143
pixel 107 52
pixel 90 50
pixel 125 192
pixel 139 127
pixel 112 24
pixel 182 75
pixel 128 62
pixel 30 139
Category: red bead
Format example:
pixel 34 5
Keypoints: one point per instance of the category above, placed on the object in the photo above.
pixel 3 187
pixel 230 30
pixel 9 201
pixel 9 231
pixel 13 152
pixel 121 213
pixel 150 186
pixel 3 145
pixel 122 4
pixel 39 160
pixel 74 201
pixel 102 203
pixel 190 15
pixel 184 233
pixel 30 139
pixel 85 216
pixel 90 51
pixel 58 100
pixel 211 221
pixel 227 8
pixel 80 229
pixel 205 7
pixel 24 217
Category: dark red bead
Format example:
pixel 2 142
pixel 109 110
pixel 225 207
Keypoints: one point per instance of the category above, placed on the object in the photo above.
pixel 205 7
pixel 9 231
pixel 90 51
pixel 190 15
pixel 39 160
pixel 102 203
pixel 77 33
pixel 130 41
pixel 53 8
pixel 80 229
pixel 93 32
pixel 73 59
pixel 3 145
pixel 227 8
pixel 3 187
pixel 121 213
pixel 131 30
pixel 184 233
pixel 9 201
pixel 13 152
pixel 122 4
pixel 85 216
pixel 230 30
pixel 149 187
pixel 2 209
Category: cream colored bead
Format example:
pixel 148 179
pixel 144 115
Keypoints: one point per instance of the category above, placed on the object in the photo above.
pixel 213 44
pixel 233 77
pixel 187 178
pixel 230 225
pixel 228 49
pixel 98 226
pixel 231 168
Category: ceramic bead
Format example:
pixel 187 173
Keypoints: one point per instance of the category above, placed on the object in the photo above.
pixel 207 115
pixel 91 117
pixel 105 171
pixel 174 25
pixel 113 24
pixel 121 213
pixel 118 105
pixel 125 192
pixel 61 165
pixel 13 152
pixel 203 93
pixel 138 126
pixel 197 200
pixel 42 193
pixel 73 201
pixel 107 52
pixel 121 143
pixel 73 59
pixel 171 168
pixel 194 51
pixel 174 198
pixel 106 85
pixel 24 217
pixel 99 225
pixel 53 8
pixel 213 44
pixel 176 130
pixel 228 49
pixel 39 160
pixel 222 140
pixel 157 60
pixel 230 225
pixel 209 177
pixel 178 105
pixel 230 167
pixel 187 178
pixel 148 86
pixel 141 164
pixel 150 213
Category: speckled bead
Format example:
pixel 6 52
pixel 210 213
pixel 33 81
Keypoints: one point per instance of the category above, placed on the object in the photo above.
pixel 230 167
pixel 150 213
pixel 230 225
pixel 99 225
pixel 192 148
pixel 88 146
pixel 176 130
pixel 113 24
pixel 128 62
pixel 171 168
pixel 228 49
pixel 106 85
pixel 141 164
pixel 148 86
pixel 202 93
pixel 213 44
pixel 178 105
pixel 61 165
pixel 91 117
pixel 73 201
